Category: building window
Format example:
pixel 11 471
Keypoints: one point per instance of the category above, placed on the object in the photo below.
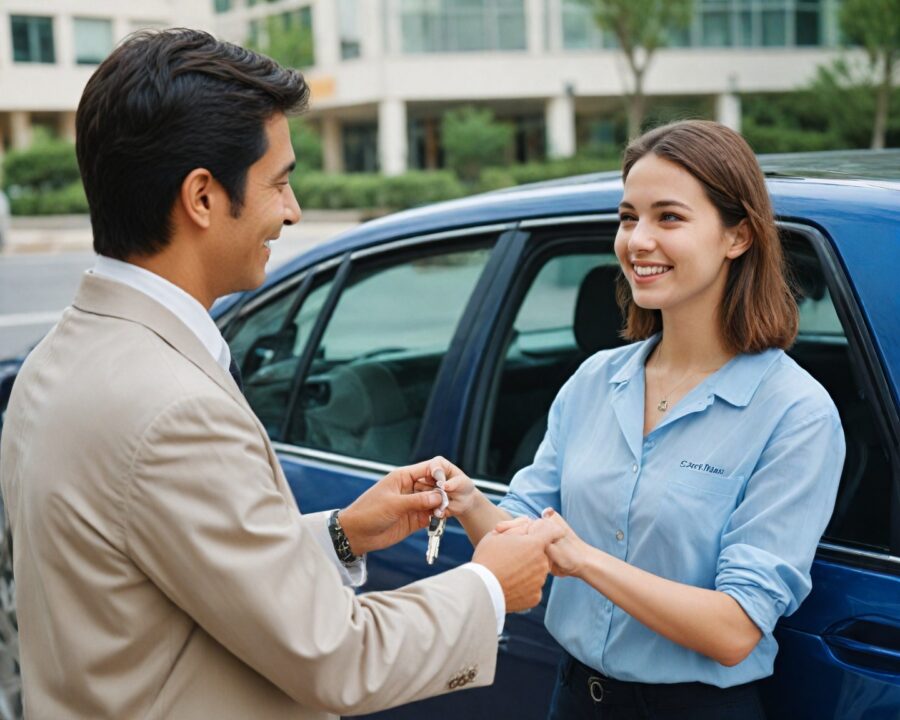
pixel 759 23
pixel 32 39
pixel 462 25
pixel 221 6
pixel 93 40
pixel 808 24
pixel 348 15
pixel 360 141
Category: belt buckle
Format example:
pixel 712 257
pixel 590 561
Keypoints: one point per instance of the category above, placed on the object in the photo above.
pixel 595 688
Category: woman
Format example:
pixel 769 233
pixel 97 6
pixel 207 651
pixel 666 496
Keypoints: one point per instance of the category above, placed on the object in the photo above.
pixel 697 467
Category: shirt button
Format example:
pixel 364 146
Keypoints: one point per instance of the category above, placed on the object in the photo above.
pixel 620 536
pixel 634 468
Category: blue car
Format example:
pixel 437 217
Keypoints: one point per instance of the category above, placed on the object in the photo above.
pixel 449 330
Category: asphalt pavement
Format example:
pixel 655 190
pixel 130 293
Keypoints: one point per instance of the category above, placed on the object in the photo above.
pixel 41 268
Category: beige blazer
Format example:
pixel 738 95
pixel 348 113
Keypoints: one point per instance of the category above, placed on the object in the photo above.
pixel 162 567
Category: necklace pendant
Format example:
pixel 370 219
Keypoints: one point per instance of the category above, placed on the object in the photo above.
pixel 663 405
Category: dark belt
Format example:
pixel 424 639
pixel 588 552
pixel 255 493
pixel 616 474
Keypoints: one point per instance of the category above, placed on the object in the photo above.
pixel 605 690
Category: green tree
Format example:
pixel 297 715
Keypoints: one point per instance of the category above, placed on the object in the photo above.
pixel 474 140
pixel 287 38
pixel 641 28
pixel 307 144
pixel 875 25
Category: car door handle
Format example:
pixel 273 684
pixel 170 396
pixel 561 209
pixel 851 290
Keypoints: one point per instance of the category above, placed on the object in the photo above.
pixel 867 642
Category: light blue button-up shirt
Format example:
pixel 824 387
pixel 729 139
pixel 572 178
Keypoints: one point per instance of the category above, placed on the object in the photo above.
pixel 730 491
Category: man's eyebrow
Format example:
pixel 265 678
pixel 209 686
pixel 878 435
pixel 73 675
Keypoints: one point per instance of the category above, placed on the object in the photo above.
pixel 286 169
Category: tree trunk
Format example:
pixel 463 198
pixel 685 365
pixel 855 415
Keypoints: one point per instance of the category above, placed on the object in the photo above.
pixel 882 100
pixel 636 104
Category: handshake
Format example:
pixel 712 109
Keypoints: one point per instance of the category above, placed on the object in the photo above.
pixel 519 552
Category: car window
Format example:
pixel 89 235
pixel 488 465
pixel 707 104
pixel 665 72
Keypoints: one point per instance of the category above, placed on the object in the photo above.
pixel 567 312
pixel 267 344
pixel 374 369
pixel 862 514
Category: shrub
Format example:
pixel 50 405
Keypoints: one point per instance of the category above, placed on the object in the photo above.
pixel 306 143
pixel 495 178
pixel 68 200
pixel 368 190
pixel 474 140
pixel 48 164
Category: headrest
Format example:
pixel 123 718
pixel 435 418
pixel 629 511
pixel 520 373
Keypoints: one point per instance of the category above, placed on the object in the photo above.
pixel 598 319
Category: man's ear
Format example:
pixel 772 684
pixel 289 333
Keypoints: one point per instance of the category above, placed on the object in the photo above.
pixel 739 239
pixel 198 191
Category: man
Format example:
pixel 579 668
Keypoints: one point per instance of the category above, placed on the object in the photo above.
pixel 163 568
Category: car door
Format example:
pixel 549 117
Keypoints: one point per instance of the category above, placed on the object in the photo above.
pixel 345 363
pixel 839 654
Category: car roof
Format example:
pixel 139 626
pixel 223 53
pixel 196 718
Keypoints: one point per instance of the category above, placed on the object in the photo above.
pixel 802 185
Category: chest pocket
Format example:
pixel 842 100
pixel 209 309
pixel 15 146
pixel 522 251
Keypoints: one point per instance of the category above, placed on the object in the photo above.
pixel 692 514
pixel 706 482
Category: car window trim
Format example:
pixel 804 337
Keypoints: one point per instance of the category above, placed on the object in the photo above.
pixel 568 220
pixel 476 230
pixel 488 486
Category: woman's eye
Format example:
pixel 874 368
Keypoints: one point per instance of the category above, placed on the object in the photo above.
pixel 669 217
pixel 625 217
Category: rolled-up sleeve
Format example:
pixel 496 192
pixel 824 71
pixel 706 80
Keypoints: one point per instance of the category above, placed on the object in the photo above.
pixel 537 486
pixel 770 540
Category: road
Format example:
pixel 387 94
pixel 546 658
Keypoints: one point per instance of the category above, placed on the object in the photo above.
pixel 36 288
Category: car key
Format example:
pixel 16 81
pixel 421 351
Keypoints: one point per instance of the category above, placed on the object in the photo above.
pixel 438 521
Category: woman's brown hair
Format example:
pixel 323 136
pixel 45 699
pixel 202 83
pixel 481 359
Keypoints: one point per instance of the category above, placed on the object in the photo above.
pixel 758 309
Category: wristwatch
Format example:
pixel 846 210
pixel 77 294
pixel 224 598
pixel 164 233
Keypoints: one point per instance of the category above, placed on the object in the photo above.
pixel 340 541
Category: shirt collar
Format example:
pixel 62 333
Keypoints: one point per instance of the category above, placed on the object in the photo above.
pixel 735 382
pixel 187 308
pixel 634 364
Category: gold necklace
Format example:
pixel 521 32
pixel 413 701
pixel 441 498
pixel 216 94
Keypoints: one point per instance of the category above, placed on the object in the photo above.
pixel 663 404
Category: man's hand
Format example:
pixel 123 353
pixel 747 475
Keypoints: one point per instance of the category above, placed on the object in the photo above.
pixel 390 510
pixel 518 559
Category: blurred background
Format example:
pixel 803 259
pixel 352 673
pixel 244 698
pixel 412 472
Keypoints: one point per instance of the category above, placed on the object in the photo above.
pixel 485 92
pixel 415 101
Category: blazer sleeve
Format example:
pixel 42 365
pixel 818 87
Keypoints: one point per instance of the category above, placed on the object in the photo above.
pixel 204 520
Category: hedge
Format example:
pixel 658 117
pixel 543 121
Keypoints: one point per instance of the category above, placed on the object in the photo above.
pixel 369 190
pixel 501 177
pixel 49 163
pixel 68 200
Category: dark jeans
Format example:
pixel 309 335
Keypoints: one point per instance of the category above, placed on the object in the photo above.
pixel 581 692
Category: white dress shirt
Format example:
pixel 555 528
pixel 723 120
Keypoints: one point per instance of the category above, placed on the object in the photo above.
pixel 196 317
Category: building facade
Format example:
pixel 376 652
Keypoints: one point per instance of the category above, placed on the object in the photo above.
pixel 384 72
pixel 49 48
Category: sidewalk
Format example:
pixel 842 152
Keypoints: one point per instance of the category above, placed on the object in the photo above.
pixel 72 233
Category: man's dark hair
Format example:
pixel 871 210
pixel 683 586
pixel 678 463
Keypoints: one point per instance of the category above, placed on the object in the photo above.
pixel 160 106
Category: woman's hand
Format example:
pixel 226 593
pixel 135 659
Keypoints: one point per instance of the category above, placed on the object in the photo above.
pixel 459 487
pixel 477 514
pixel 567 554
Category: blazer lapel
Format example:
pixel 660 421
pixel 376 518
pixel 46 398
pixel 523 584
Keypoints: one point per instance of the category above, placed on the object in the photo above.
pixel 100 296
